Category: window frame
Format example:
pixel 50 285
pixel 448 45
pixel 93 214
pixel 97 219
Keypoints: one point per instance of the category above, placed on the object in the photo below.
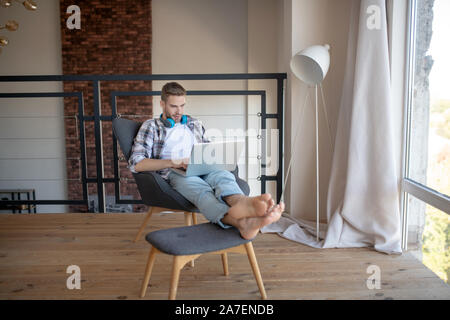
pixel 410 186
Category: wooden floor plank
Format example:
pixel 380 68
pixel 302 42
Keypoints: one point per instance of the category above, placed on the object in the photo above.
pixel 35 251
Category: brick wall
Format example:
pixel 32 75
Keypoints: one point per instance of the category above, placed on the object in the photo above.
pixel 115 38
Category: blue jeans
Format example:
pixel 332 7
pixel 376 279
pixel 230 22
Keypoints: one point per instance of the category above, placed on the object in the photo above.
pixel 206 192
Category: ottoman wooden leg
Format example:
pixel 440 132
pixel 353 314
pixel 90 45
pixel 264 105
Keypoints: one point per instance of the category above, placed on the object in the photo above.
pixel 255 268
pixel 225 264
pixel 148 270
pixel 178 264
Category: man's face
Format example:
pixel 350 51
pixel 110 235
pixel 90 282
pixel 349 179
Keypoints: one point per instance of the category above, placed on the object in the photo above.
pixel 174 107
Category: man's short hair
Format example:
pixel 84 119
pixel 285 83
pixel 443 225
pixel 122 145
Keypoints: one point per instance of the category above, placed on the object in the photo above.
pixel 172 89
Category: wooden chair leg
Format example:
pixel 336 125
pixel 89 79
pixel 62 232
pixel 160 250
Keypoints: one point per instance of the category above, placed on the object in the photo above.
pixel 188 218
pixel 194 218
pixel 144 223
pixel 225 264
pixel 255 268
pixel 178 264
pixel 148 270
pixel 176 268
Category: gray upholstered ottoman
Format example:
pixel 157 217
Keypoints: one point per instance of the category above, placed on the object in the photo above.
pixel 188 243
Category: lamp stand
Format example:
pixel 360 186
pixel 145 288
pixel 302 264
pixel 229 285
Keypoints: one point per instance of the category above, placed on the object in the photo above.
pixel 317 163
pixel 316 89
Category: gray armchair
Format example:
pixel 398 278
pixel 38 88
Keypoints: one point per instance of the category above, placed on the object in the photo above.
pixel 153 189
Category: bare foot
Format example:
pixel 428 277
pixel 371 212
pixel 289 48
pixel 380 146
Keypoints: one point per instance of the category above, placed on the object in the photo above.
pixel 249 227
pixel 248 207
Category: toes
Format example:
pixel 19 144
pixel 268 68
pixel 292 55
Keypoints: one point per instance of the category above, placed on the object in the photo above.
pixel 266 197
pixel 271 205
pixel 277 210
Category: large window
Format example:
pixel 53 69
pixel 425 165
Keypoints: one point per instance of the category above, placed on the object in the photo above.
pixel 426 218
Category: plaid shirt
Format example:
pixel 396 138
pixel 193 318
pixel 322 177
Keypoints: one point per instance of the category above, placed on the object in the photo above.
pixel 149 141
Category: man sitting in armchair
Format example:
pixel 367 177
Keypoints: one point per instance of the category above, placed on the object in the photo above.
pixel 166 143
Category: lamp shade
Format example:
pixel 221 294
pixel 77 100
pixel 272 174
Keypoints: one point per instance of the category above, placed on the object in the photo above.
pixel 311 64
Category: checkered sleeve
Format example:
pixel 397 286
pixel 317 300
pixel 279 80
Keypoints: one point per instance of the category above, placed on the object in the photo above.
pixel 142 146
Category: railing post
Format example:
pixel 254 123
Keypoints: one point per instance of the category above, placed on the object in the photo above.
pixel 115 151
pixel 280 107
pixel 98 145
pixel 263 143
pixel 82 134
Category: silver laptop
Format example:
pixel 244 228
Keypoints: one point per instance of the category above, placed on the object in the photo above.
pixel 213 156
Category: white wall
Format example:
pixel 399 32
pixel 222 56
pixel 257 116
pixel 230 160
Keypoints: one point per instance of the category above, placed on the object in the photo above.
pixel 263 51
pixel 203 36
pixel 32 144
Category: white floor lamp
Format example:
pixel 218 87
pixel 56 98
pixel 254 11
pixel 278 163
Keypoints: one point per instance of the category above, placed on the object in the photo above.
pixel 311 66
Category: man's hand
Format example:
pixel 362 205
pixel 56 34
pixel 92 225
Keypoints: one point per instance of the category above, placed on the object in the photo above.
pixel 180 163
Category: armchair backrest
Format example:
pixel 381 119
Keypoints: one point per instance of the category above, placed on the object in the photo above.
pixel 125 130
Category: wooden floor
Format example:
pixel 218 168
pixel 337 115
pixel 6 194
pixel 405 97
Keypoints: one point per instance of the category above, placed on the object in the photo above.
pixel 36 249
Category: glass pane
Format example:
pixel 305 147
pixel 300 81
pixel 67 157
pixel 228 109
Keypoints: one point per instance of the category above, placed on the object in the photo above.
pixel 429 239
pixel 430 130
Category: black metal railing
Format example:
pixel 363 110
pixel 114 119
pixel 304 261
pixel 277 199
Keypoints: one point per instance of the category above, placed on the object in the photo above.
pixel 97 118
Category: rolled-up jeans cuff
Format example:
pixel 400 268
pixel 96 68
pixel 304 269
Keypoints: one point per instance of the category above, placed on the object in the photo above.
pixel 220 198
pixel 223 225
pixel 218 220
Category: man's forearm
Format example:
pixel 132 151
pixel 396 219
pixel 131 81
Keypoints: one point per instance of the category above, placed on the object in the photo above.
pixel 153 164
